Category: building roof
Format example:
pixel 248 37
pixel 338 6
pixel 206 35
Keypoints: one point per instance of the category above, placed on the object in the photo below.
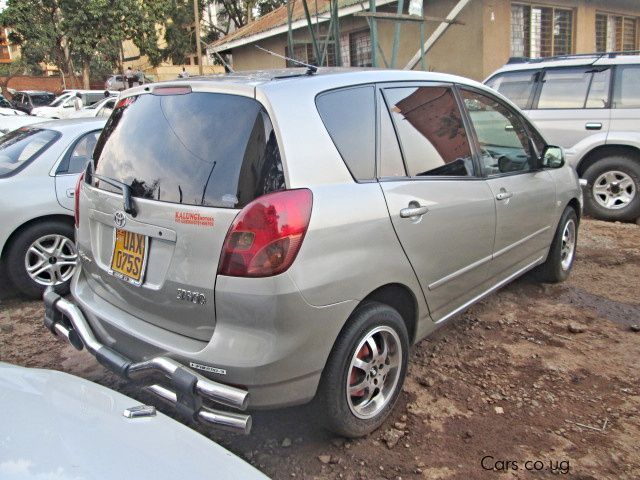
pixel 275 22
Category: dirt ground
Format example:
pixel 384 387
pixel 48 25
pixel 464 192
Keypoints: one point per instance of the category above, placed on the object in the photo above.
pixel 535 381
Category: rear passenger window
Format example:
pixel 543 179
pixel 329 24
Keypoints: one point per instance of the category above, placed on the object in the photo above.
pixel 572 88
pixel 516 86
pixel 431 131
pixel 627 93
pixel 349 117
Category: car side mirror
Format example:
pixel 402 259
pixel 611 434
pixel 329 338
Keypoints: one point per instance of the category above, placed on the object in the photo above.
pixel 552 157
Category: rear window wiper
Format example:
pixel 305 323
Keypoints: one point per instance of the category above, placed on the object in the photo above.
pixel 129 207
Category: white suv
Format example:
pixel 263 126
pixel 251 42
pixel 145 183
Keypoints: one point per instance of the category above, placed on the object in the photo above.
pixel 590 105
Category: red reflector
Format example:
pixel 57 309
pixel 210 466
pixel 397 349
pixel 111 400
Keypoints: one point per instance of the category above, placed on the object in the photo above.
pixel 171 90
pixel 76 199
pixel 125 102
pixel 266 236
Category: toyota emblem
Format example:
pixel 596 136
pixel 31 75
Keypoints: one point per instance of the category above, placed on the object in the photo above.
pixel 119 219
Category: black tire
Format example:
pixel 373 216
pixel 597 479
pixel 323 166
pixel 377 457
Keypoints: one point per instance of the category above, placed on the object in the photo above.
pixel 619 163
pixel 17 253
pixel 332 400
pixel 553 270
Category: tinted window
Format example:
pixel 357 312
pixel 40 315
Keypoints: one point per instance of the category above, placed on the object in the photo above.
pixel 598 96
pixel 4 103
pixel 391 164
pixel 77 158
pixel 516 86
pixel 349 116
pixel 197 149
pixel 20 147
pixel 503 139
pixel 568 88
pixel 431 131
pixel 41 100
pixel 627 93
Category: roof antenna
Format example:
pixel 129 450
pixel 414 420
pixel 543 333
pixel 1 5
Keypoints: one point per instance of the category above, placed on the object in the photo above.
pixel 311 69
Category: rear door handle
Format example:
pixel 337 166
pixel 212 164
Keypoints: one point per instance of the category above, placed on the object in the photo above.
pixel 413 211
pixel 593 126
pixel 504 195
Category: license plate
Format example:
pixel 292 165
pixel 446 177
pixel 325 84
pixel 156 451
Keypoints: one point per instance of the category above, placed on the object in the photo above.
pixel 129 257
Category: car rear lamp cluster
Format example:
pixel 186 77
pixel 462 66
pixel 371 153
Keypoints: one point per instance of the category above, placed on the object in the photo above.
pixel 266 236
pixel 76 199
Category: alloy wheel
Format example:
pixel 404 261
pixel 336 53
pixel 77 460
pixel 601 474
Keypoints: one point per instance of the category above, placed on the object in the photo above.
pixel 51 260
pixel 568 247
pixel 374 372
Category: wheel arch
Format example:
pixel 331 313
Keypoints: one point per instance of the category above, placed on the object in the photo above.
pixel 604 151
pixel 55 217
pixel 575 204
pixel 401 298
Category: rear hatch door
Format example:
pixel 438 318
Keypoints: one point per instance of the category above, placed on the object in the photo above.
pixel 191 160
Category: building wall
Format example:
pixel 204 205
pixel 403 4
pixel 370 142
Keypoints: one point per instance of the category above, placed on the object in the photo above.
pixel 496 24
pixel 473 50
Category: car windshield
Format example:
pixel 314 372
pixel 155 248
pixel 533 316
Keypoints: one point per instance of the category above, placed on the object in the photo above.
pixel 20 147
pixel 4 103
pixel 42 100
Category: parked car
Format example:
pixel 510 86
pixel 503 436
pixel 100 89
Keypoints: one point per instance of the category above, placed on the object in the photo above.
pixel 9 123
pixel 64 106
pixel 59 426
pixel 7 109
pixel 39 166
pixel 103 108
pixel 303 261
pixel 29 99
pixel 117 82
pixel 590 105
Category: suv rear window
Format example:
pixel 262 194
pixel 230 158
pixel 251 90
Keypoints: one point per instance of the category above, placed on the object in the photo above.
pixel 627 94
pixel 207 149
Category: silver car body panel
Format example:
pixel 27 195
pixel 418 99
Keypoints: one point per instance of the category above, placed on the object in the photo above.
pixel 31 193
pixel 55 425
pixel 274 334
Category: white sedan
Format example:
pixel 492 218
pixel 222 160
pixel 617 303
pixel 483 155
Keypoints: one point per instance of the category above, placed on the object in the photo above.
pixel 39 167
pixel 57 426
pixel 103 108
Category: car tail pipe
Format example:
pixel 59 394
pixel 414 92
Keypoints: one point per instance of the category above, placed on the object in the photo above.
pixel 186 388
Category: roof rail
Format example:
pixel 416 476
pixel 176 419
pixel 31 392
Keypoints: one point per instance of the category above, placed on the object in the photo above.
pixel 596 56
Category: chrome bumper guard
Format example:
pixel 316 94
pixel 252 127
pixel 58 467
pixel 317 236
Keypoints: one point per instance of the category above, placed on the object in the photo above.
pixel 186 389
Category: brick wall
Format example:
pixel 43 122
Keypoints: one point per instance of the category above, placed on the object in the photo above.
pixel 50 84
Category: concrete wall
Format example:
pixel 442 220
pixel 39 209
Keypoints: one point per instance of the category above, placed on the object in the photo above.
pixel 474 49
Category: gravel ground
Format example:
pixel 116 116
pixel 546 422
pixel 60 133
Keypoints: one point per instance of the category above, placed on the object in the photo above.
pixel 535 381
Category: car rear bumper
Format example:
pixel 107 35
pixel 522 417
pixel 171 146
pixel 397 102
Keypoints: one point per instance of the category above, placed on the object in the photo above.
pixel 164 376
pixel 267 338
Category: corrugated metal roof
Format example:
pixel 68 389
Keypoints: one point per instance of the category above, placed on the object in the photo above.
pixel 278 18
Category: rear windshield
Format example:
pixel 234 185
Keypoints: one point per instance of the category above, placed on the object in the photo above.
pixel 207 149
pixel 19 147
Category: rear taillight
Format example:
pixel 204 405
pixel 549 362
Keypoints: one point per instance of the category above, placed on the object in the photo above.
pixel 266 236
pixel 76 198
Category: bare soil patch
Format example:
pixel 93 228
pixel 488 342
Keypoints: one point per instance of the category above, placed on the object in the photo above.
pixel 545 373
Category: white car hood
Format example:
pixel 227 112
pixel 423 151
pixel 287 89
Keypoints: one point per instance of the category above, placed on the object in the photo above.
pixel 44 111
pixel 57 426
